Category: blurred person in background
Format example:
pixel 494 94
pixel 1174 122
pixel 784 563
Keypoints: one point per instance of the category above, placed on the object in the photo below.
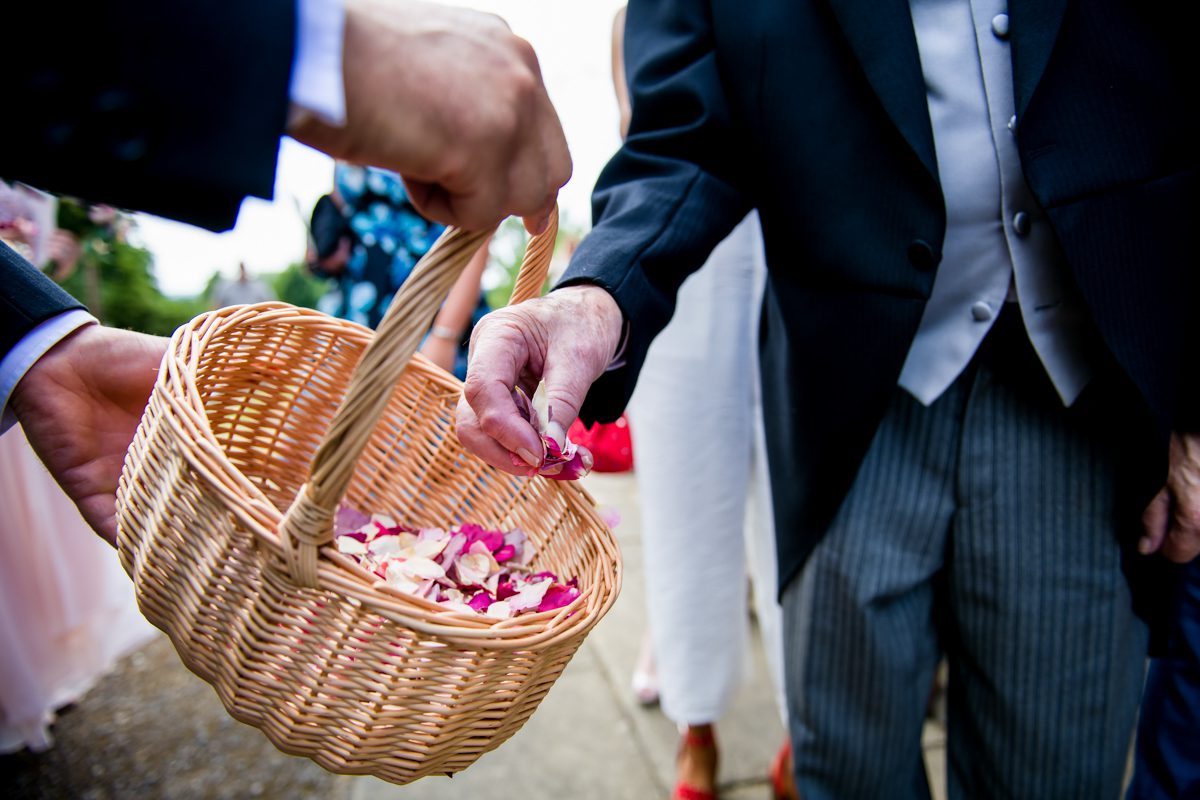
pixel 177 110
pixel 67 612
pixel 366 238
pixel 244 289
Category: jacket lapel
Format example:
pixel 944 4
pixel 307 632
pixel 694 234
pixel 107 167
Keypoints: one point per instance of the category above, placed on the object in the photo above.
pixel 881 34
pixel 1035 26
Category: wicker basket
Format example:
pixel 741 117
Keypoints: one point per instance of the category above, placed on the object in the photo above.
pixel 263 419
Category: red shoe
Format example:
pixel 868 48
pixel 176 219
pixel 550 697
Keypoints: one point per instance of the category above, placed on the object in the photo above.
pixel 783 781
pixel 697 739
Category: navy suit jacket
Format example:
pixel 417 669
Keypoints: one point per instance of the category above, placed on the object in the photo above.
pixel 171 108
pixel 814 111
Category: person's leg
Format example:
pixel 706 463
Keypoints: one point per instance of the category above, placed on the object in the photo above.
pixel 1167 763
pixel 690 423
pixel 859 639
pixel 1046 655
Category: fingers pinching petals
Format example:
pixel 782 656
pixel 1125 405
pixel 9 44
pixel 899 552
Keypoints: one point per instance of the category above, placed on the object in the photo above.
pixel 567 338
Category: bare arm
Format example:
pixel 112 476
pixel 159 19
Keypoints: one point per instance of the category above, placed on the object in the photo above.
pixel 455 314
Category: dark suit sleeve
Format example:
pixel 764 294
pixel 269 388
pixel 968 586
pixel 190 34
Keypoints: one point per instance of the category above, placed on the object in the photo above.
pixel 671 193
pixel 27 298
pixel 175 108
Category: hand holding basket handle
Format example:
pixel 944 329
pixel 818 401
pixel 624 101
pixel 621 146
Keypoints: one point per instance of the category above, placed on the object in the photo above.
pixel 454 101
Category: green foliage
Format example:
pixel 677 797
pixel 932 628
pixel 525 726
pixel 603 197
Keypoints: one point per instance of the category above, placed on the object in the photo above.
pixel 128 292
pixel 298 286
pixel 505 254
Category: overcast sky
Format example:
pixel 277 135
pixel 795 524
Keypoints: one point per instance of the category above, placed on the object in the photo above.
pixel 571 38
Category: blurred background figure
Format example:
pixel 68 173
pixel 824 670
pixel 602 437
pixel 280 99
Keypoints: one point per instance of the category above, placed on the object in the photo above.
pixel 699 447
pixel 67 609
pixel 244 289
pixel 366 237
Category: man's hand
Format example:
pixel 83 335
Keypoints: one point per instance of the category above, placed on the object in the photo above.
pixel 80 405
pixel 1172 520
pixel 566 338
pixel 454 102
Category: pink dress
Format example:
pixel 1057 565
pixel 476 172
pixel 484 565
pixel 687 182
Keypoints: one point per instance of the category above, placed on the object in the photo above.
pixel 67 608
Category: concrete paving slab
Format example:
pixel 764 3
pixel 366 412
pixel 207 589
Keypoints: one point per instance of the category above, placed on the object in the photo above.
pixel 578 744
pixel 753 791
pixel 751 731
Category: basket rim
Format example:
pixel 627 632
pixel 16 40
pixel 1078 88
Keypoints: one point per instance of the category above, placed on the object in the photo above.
pixel 177 390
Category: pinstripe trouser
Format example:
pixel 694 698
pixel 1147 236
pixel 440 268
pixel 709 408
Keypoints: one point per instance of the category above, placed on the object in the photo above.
pixel 984 527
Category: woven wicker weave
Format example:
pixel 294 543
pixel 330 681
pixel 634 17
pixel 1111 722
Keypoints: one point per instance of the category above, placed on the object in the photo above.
pixel 264 418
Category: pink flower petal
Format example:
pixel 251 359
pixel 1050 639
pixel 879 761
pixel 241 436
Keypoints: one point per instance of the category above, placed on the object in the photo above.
pixel 531 595
pixel 505 553
pixel 519 541
pixel 558 596
pixel 453 548
pixel 349 519
pixel 610 515
pixel 561 459
pixel 480 601
pixel 384 521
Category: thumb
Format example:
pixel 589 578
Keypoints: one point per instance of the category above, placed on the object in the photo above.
pixel 1155 521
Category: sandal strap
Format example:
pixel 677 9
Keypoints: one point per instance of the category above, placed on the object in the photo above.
pixel 684 791
pixel 699 738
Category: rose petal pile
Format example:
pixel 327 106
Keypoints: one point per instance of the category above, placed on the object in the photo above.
pixel 562 459
pixel 465 568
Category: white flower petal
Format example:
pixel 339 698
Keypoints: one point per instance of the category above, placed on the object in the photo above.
pixel 499 609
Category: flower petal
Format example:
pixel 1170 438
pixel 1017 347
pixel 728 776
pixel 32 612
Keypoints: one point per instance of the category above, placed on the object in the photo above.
pixel 558 596
pixel 531 595
pixel 499 609
pixel 347 543
pixel 422 568
pixel 349 519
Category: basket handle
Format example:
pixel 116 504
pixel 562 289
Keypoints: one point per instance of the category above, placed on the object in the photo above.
pixel 308 523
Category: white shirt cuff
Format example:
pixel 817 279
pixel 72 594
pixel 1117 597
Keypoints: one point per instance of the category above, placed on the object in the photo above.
pixel 34 345
pixel 316 84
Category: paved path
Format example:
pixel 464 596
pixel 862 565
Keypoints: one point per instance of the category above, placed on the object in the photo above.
pixel 590 740
pixel 154 730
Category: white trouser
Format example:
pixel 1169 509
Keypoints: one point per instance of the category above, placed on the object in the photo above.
pixel 700 460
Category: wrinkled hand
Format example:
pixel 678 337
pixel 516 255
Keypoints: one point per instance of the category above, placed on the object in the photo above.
pixel 1172 520
pixel 80 405
pixel 566 338
pixel 454 102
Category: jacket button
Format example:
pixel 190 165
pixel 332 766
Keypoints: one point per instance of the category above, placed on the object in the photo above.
pixel 921 255
pixel 1021 223
pixel 1000 26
